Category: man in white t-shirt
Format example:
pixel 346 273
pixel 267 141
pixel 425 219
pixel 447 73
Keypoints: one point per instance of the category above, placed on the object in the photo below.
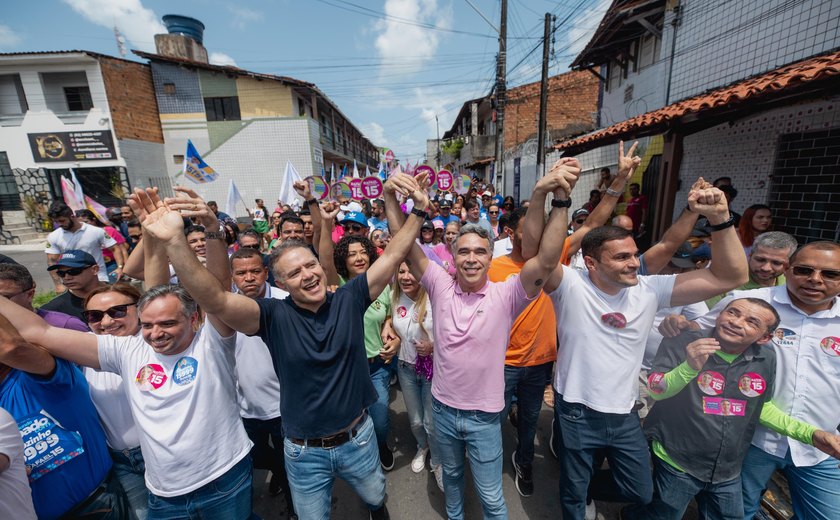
pixel 15 495
pixel 604 316
pixel 179 380
pixel 258 388
pixel 74 234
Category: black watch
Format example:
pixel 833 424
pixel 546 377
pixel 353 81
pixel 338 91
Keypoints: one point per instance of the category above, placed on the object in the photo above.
pixel 725 224
pixel 557 203
pixel 420 213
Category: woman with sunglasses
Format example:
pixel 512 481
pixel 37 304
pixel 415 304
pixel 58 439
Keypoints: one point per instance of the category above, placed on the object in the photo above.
pixel 351 257
pixel 493 214
pixel 113 310
pixel 379 238
pixel 412 322
pixel 508 205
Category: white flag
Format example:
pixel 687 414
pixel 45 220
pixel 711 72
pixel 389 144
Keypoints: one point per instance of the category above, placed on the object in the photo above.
pixel 287 189
pixel 78 194
pixel 232 198
pixel 355 170
pixel 367 171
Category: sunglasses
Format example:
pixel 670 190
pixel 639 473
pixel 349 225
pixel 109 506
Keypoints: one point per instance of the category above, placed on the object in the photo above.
pixel 75 271
pixel 827 274
pixel 252 246
pixel 117 311
pixel 353 227
pixel 580 221
pixel 493 212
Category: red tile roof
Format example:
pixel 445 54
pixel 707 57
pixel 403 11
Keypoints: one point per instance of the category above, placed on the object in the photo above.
pixel 762 87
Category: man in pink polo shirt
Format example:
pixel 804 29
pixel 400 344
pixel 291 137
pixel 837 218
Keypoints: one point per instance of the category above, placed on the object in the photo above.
pixel 472 320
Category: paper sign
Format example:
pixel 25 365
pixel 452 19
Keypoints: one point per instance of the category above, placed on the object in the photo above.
pixel 720 406
pixel 356 189
pixel 389 156
pixel 341 189
pixel 372 187
pixel 426 169
pixel 444 180
pixel 462 184
pixel 318 186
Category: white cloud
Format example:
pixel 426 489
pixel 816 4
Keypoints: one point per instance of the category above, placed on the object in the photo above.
pixel 8 38
pixel 137 23
pixel 405 46
pixel 220 58
pixel 242 16
pixel 583 26
pixel 375 133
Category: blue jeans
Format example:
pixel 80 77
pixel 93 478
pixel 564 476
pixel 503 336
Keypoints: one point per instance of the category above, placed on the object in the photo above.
pixel 480 435
pixel 583 431
pixel 815 490
pixel 313 470
pixel 380 375
pixel 527 384
pixel 417 392
pixel 673 491
pixel 130 469
pixel 228 497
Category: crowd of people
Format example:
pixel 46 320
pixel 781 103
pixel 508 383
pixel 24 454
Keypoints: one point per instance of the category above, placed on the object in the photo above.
pixel 183 350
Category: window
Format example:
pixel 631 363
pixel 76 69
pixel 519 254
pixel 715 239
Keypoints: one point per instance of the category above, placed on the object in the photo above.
pixel 169 89
pixel 301 108
pixel 178 159
pixel 78 99
pixel 222 108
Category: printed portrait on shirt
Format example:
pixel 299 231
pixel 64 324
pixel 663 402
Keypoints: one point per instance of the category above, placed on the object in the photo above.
pixel 751 384
pixel 710 382
pixel 150 377
pixel 784 337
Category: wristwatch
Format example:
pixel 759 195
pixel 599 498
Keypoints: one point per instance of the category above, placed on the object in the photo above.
pixel 557 203
pixel 725 224
pixel 614 193
pixel 215 235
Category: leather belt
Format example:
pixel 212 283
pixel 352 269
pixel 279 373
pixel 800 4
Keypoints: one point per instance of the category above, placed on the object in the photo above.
pixel 333 441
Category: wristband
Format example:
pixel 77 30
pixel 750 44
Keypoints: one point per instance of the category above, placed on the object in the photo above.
pixel 420 213
pixel 614 193
pixel 215 235
pixel 311 201
pixel 557 203
pixel 723 225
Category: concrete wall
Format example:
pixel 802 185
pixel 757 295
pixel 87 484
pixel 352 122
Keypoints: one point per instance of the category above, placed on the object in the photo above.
pixel 265 99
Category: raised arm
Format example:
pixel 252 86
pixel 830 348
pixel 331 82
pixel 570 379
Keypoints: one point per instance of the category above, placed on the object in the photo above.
pixel 328 211
pixel 561 179
pixel 302 188
pixel 403 242
pixel 416 259
pixel 659 254
pixel 160 222
pixel 134 264
pixel 729 263
pixel 532 228
pixel 78 347
pixel 190 204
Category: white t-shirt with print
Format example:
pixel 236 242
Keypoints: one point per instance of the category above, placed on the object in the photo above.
pixel 184 406
pixel 15 495
pixel 405 321
pixel 257 383
pixel 109 398
pixel 602 338
pixel 89 239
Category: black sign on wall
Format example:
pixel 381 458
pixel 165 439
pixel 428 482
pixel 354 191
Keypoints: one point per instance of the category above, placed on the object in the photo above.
pixel 94 145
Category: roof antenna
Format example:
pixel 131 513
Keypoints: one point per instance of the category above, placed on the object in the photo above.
pixel 120 41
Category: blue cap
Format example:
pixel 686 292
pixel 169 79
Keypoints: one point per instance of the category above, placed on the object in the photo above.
pixel 73 258
pixel 354 217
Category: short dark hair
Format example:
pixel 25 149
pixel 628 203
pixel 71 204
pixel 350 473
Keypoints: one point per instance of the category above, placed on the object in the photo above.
pixel 212 203
pixel 133 223
pixel 764 305
pixel 342 250
pixel 594 192
pixel 194 229
pixel 249 233
pixel 605 169
pixel 281 249
pixel 636 184
pixel 244 253
pixel 59 209
pixel 820 245
pixel 719 179
pixel 727 189
pixel 290 217
pixel 513 217
pixel 593 241
pixel 470 204
pixel 17 274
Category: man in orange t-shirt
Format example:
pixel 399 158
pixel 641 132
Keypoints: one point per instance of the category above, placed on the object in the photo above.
pixel 530 355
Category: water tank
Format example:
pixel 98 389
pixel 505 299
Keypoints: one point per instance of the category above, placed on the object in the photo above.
pixel 190 27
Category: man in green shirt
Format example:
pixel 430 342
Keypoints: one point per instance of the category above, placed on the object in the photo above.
pixel 767 261
pixel 712 388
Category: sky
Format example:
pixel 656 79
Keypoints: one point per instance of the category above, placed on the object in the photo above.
pixel 392 66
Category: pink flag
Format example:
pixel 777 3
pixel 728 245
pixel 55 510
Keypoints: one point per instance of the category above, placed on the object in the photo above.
pixel 68 191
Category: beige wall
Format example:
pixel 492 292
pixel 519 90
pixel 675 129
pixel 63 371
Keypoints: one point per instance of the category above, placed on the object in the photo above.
pixel 264 99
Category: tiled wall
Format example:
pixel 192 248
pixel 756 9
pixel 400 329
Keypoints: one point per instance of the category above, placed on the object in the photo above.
pixel 187 98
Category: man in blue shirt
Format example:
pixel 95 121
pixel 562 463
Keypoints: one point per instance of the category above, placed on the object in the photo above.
pixel 446 215
pixel 64 442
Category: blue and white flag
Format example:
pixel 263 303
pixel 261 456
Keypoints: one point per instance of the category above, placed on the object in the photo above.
pixel 381 173
pixel 195 168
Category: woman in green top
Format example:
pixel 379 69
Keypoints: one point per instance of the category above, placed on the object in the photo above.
pixel 351 257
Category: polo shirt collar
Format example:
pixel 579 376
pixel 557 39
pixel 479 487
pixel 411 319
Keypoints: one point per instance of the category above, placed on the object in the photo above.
pixel 323 306
pixel 480 292
pixel 780 295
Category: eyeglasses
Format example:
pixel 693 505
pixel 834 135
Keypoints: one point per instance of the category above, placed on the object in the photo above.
pixel 117 311
pixel 75 271
pixel 353 227
pixel 827 274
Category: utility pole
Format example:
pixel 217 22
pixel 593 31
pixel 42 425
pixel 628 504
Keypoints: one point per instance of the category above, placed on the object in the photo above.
pixel 437 156
pixel 543 100
pixel 501 96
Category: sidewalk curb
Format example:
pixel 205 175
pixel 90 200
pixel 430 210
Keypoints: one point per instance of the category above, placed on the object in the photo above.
pixel 13 248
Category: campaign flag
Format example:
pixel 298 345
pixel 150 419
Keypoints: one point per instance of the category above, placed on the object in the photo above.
pixel 232 198
pixel 355 170
pixel 69 193
pixel 367 172
pixel 99 211
pixel 195 168
pixel 344 172
pixel 332 173
pixel 287 190
pixel 381 173
pixel 77 189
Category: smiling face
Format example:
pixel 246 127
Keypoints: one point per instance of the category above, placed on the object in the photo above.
pixel 472 255
pixel 812 292
pixel 617 266
pixel 249 276
pixel 451 233
pixel 198 243
pixel 766 264
pixel 741 324
pixel 357 261
pixel 298 272
pixel 408 284
pixel 128 325
pixel 164 326
pixel 291 230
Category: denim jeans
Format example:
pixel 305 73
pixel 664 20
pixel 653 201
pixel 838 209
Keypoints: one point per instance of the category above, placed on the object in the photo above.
pixel 130 469
pixel 313 470
pixel 673 491
pixel 582 432
pixel 815 490
pixel 110 502
pixel 267 456
pixel 380 375
pixel 417 392
pixel 480 435
pixel 228 497
pixel 528 385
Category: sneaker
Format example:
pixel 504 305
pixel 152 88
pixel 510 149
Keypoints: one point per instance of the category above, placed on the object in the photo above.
pixel 513 415
pixel 386 457
pixel 551 446
pixel 524 478
pixel 591 511
pixel 438 472
pixel 418 463
pixel 380 514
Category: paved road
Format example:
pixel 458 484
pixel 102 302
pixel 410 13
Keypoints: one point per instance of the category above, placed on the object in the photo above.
pixel 35 260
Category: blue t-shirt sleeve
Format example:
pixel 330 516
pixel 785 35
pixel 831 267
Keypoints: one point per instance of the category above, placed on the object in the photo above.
pixel 358 286
pixel 269 313
pixel 66 376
